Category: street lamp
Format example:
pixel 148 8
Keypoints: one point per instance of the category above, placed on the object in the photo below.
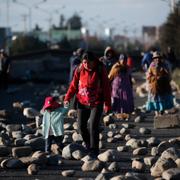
pixel 29 9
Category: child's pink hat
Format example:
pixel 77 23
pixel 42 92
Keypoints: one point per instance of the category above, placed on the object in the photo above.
pixel 50 103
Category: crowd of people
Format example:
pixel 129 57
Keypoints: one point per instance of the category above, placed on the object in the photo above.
pixel 99 86
pixel 104 85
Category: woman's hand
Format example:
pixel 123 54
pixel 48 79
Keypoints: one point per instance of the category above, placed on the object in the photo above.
pixel 66 104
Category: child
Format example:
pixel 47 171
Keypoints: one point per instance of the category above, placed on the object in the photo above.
pixel 53 121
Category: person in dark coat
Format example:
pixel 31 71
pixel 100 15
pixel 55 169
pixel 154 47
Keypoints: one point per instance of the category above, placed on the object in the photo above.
pixel 4 69
pixel 75 60
pixel 109 58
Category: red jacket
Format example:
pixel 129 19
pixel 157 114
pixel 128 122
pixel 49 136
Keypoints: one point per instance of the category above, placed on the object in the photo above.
pixel 89 88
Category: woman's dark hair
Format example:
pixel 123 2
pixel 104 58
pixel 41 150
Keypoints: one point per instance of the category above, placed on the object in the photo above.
pixel 88 55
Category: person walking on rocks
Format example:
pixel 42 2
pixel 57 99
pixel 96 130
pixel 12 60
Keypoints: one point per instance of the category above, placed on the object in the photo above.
pixel 159 94
pixel 109 58
pixel 91 86
pixel 122 93
pixel 4 69
pixel 53 123
pixel 75 60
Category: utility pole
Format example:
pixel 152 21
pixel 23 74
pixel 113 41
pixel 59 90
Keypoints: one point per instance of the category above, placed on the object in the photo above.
pixel 24 16
pixel 172 5
pixel 7 13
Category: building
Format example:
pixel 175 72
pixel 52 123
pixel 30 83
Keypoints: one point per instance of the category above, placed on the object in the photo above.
pixel 5 38
pixel 150 35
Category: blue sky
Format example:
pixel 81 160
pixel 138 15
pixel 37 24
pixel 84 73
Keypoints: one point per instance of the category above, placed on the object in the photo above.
pixel 96 14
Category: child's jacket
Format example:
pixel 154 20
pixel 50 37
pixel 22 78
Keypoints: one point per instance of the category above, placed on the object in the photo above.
pixel 55 121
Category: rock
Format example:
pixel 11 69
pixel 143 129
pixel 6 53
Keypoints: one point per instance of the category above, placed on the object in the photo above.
pixel 108 120
pixel 17 105
pixel 75 125
pixel 32 169
pixel 77 137
pixel 127 137
pixel 30 113
pixel 54 160
pixel 140 151
pixel 152 141
pixel 101 177
pixel 29 137
pixel 86 158
pixel 128 126
pixel 13 127
pixel 39 158
pixel 124 131
pixel 4 114
pixel 93 165
pixel 138 119
pixel 19 142
pixel 78 154
pixel 4 139
pixel 138 166
pixel 67 139
pixel 154 151
pixel 118 177
pixel 178 162
pixel 110 134
pixel 112 126
pixel 68 173
pixel 163 146
pixel 135 176
pixel 167 121
pixel 12 163
pixel 171 174
pixel 144 131
pixel 122 148
pixel 36 143
pixel 104 171
pixel 162 165
pixel 68 126
pixel 17 134
pixel 111 140
pixel 133 143
pixel 175 142
pixel 109 156
pixel 143 143
pixel 21 151
pixel 27 160
pixel 28 129
pixel 70 148
pixel 4 151
pixel 149 161
pixel 72 113
pixel 170 153
pixel 114 167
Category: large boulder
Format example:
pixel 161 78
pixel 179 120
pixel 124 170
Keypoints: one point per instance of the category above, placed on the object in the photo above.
pixel 36 143
pixel 70 148
pixel 109 156
pixel 93 165
pixel 21 151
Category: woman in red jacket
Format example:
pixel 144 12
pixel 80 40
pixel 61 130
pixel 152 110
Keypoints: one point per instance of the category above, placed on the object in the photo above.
pixel 91 86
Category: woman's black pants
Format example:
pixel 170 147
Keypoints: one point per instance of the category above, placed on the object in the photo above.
pixel 90 116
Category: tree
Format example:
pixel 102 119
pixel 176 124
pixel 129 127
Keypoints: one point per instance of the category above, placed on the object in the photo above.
pixel 170 32
pixel 25 44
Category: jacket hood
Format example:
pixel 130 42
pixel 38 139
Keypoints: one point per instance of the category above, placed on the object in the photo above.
pixel 108 49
